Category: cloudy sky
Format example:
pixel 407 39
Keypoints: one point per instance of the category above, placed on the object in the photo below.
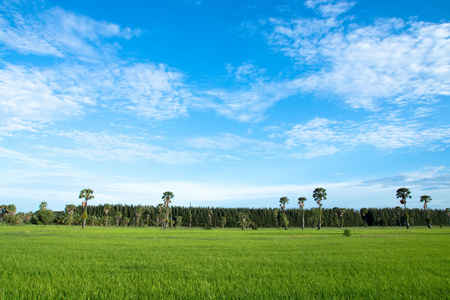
pixel 225 103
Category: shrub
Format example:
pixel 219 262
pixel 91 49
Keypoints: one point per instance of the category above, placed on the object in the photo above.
pixel 347 232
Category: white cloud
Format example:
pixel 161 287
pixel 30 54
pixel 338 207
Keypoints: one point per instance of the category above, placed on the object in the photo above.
pixel 330 8
pixel 57 32
pixel 320 137
pixel 117 147
pixel 47 94
pixel 388 62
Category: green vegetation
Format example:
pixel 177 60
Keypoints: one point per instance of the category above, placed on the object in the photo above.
pixel 65 262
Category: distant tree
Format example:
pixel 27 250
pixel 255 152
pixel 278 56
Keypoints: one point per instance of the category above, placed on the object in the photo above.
pixel 398 210
pixel 43 205
pixel 138 211
pixel 210 214
pixel 117 216
pixel 342 211
pixel 159 215
pixel 223 222
pixel 126 221
pixel 167 198
pixel 283 202
pixel 190 217
pixel 106 209
pixel 179 221
pixel 11 209
pixel 243 220
pixel 275 215
pixel 364 212
pixel 426 199
pixel 301 203
pixel 403 194
pixel 336 211
pixel 3 212
pixel 320 194
pixel 147 213
pixel 70 209
pixel 87 194
pixel 447 211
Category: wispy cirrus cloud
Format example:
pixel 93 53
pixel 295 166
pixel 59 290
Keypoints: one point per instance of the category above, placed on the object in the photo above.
pixel 28 29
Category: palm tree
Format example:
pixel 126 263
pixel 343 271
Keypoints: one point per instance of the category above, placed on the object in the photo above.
pixel 320 194
pixel 283 202
pixel 106 209
pixel 3 211
pixel 398 209
pixel 223 222
pixel 403 194
pixel 70 209
pixel 336 213
pixel 147 213
pixel 426 199
pixel 87 194
pixel 275 214
pixel 341 213
pixel 243 220
pixel 125 221
pixel 190 217
pixel 301 203
pixel 11 209
pixel 364 212
pixel 138 211
pixel 210 214
pixel 43 206
pixel 159 215
pixel 117 216
pixel 167 198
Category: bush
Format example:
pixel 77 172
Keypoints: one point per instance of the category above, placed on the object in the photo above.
pixel 347 232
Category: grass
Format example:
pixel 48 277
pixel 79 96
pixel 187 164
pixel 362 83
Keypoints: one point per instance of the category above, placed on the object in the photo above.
pixel 61 262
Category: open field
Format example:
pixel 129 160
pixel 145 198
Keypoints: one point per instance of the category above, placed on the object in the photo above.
pixel 62 262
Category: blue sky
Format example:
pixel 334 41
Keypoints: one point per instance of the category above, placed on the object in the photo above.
pixel 224 103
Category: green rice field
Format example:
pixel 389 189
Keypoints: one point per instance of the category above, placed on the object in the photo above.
pixel 64 262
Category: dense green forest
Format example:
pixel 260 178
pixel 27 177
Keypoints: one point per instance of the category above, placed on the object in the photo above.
pixel 129 215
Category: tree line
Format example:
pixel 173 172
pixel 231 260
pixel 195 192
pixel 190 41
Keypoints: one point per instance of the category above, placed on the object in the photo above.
pixel 166 216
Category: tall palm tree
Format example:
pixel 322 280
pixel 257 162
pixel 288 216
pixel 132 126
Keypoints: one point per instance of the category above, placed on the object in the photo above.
pixel 403 194
pixel 283 202
pixel 301 203
pixel 167 198
pixel 363 211
pixel 426 199
pixel 320 194
pixel 87 194
pixel 106 209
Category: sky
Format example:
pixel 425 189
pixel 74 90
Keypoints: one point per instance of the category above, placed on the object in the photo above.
pixel 225 103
